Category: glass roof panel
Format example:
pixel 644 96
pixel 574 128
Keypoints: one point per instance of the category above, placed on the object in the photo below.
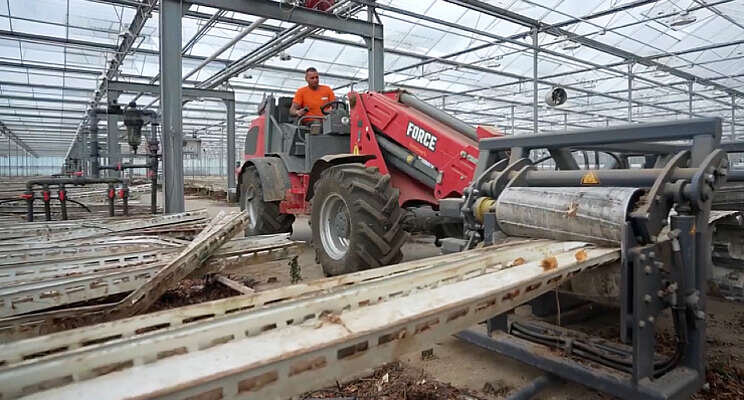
pixel 444 53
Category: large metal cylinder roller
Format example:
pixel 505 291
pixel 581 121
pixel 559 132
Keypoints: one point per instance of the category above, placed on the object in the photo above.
pixel 595 215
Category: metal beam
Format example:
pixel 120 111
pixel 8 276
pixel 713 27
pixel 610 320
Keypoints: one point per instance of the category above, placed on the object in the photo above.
pixel 132 87
pixel 516 18
pixel 18 141
pixel 231 186
pixel 70 101
pixel 536 45
pixel 297 15
pixel 517 43
pixel 142 14
pixel 630 93
pixel 481 69
pixel 658 131
pixel 170 105
pixel 280 42
pixel 450 293
pixel 375 55
pixel 113 148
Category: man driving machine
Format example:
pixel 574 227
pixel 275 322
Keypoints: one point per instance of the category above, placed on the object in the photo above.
pixel 308 99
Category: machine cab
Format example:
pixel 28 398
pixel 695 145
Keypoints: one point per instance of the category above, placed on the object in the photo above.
pixel 299 142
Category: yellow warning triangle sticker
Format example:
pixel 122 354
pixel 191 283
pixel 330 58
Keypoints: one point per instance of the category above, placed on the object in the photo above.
pixel 590 179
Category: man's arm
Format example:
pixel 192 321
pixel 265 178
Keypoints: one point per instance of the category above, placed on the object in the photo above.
pixel 296 110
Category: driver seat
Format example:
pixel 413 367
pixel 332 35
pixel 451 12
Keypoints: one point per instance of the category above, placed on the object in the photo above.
pixel 298 141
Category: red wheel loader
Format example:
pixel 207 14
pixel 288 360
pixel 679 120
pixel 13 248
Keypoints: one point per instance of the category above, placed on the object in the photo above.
pixel 369 171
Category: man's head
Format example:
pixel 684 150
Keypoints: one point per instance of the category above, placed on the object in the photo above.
pixel 311 77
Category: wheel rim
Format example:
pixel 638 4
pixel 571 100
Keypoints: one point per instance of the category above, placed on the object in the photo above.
pixel 252 213
pixel 335 226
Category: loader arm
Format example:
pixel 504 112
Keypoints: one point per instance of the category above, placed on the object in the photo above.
pixel 429 154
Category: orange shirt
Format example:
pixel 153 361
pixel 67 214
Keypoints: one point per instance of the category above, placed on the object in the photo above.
pixel 313 99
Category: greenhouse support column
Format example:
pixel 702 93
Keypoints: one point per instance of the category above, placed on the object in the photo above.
pixel 534 80
pixel 689 98
pixel 222 149
pixel 82 146
pixel 170 103
pixel 733 118
pixel 231 187
pixel 514 132
pixel 93 129
pixel 375 56
pixel 630 92
pixel 112 135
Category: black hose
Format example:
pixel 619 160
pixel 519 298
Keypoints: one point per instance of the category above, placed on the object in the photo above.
pixel 10 200
pixel 589 351
pixel 80 204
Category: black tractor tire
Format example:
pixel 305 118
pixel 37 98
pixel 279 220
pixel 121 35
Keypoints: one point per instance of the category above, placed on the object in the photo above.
pixel 265 216
pixel 356 220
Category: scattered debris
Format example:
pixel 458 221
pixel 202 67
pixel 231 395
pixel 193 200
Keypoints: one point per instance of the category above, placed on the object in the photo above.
pixel 395 381
pixel 496 388
pixel 724 380
pixel 233 284
pixel 572 209
pixel 192 291
pixel 295 274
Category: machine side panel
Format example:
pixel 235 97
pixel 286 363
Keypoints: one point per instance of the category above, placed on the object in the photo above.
pixel 450 152
pixel 411 192
pixel 258 143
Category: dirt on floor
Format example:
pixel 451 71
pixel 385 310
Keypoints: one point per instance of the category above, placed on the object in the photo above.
pixel 725 352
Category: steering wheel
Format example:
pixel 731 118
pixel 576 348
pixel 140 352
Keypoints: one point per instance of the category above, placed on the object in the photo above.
pixel 334 105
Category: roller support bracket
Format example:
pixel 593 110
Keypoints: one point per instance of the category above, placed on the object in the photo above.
pixel 712 174
pixel 500 182
pixel 502 170
pixel 650 216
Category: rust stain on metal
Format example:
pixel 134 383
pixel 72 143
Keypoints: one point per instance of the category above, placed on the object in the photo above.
pixel 511 295
pixel 517 261
pixel 581 255
pixel 549 263
pixel 332 318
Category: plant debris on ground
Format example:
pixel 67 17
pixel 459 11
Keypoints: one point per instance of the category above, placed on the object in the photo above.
pixel 394 381
pixel 193 291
